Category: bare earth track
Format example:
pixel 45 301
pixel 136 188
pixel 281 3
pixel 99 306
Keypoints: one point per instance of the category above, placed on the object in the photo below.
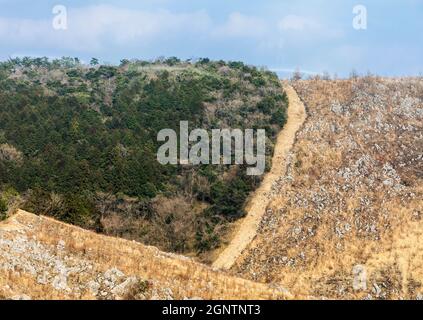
pixel 248 227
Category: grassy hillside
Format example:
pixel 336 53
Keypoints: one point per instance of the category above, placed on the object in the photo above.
pixel 59 261
pixel 347 222
pixel 79 143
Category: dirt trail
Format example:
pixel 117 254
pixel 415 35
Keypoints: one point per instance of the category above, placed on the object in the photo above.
pixel 248 226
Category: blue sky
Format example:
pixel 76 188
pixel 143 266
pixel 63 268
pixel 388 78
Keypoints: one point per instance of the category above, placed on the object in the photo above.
pixel 313 35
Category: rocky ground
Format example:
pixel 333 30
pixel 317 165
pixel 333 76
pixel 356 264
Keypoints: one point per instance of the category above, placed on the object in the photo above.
pixel 41 258
pixel 347 221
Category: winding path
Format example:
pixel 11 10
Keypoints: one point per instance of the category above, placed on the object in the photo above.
pixel 247 229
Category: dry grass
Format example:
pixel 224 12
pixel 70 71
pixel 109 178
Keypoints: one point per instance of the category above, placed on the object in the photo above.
pixel 30 247
pixel 352 197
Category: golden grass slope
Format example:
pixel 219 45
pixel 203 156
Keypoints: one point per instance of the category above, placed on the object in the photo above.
pixel 347 223
pixel 41 258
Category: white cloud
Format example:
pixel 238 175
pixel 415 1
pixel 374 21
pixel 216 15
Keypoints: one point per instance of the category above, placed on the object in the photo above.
pixel 126 26
pixel 98 27
pixel 297 23
pixel 239 25
pixel 306 30
pixel 292 70
pixel 96 30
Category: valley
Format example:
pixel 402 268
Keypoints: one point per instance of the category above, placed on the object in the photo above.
pixel 338 215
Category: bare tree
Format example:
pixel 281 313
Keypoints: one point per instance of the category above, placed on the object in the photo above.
pixel 296 75
pixel 326 75
pixel 353 74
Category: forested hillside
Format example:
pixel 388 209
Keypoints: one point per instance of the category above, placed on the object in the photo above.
pixel 79 143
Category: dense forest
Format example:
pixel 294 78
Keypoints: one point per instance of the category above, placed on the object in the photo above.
pixel 78 142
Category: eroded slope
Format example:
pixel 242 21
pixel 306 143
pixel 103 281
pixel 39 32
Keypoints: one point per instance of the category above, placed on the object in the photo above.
pixel 348 219
pixel 41 258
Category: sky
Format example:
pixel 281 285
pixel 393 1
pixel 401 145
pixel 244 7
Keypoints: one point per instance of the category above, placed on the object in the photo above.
pixel 282 35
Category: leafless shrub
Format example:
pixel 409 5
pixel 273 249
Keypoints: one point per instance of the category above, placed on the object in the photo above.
pixel 326 76
pixel 354 74
pixel 296 76
pixel 10 153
